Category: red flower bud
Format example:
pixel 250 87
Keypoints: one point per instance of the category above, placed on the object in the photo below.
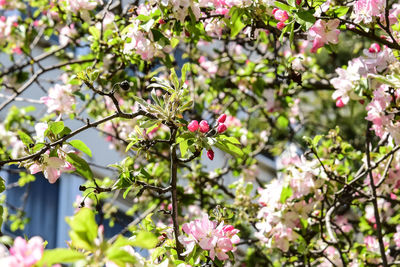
pixel 222 118
pixel 298 2
pixel 374 48
pixel 210 154
pixel 339 102
pixel 193 126
pixel 204 127
pixel 280 25
pixel 221 128
pixel 161 21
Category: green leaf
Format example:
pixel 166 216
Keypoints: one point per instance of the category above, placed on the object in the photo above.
pixel 127 191
pixel 145 240
pixel 83 229
pixel 78 144
pixel 286 193
pixel 183 146
pixel 174 42
pixel 305 18
pixel 1 215
pixel 132 143
pixel 229 148
pixel 120 256
pixel 60 255
pixel 26 139
pixel 141 101
pixel 282 6
pixel 56 127
pixel 2 185
pixel 340 11
pixel 230 139
pixel 282 122
pixel 185 69
pixel 95 32
pixel 174 78
pixel 316 140
pixel 235 22
pixel 82 167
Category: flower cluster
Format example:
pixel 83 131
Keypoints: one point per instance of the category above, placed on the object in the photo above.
pixel 24 253
pixel 81 6
pixel 218 240
pixel 279 218
pixel 281 16
pixel 375 60
pixel 51 166
pixel 60 99
pixel 323 32
pixel 10 140
pixel 366 10
pixel 204 127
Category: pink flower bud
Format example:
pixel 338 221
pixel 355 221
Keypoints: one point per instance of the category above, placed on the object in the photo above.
pixel 193 126
pixel 298 2
pixel 204 127
pixel 222 118
pixel 161 21
pixel 374 48
pixel 339 102
pixel 169 206
pixel 210 154
pixel 280 25
pixel 17 50
pixel 221 128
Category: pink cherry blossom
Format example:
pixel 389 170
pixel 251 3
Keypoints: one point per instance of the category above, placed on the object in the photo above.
pixel 139 43
pixel 396 237
pixel 66 33
pixel 366 10
pixel 23 253
pixel 348 79
pixel 323 32
pixel 78 5
pixel 218 240
pixel 280 15
pixel 209 66
pixel 52 167
pixel 60 99
pixel 6 25
pixel 376 110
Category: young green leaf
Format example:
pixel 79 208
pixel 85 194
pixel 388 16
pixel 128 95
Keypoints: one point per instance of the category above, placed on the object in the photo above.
pixel 26 139
pixel 78 144
pixel 81 166
pixel 56 127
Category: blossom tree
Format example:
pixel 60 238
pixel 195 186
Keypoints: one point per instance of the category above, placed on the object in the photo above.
pixel 315 85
